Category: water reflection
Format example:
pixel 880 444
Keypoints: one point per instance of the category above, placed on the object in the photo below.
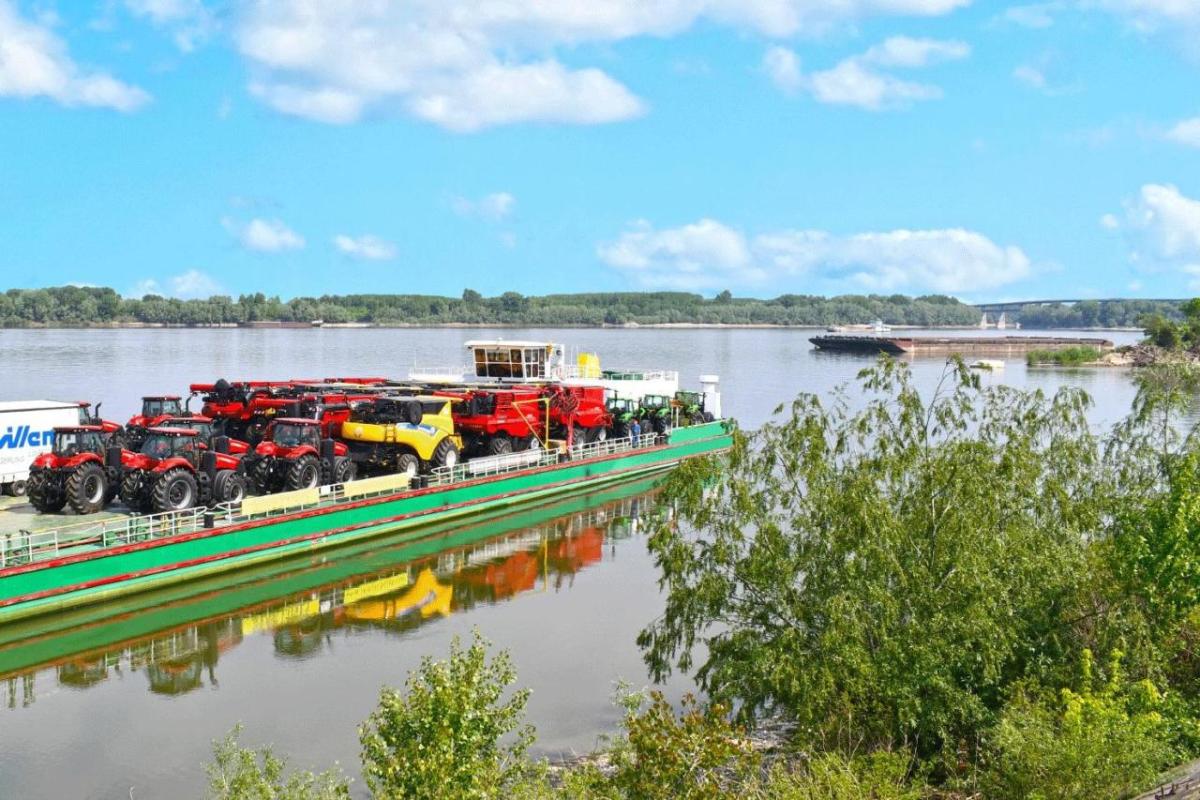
pixel 444 573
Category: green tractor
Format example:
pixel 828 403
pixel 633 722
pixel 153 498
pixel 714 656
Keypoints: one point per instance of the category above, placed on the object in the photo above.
pixel 655 413
pixel 624 411
pixel 691 408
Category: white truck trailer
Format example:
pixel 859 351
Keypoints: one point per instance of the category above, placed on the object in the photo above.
pixel 26 430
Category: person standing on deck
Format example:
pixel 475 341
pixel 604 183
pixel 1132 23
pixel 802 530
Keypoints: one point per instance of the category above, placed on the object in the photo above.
pixel 635 432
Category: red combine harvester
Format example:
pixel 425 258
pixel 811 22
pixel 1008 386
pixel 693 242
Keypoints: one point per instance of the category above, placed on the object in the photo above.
pixel 175 470
pixel 294 454
pixel 243 410
pixel 497 421
pixel 74 472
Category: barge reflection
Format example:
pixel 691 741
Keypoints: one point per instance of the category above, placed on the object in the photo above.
pixel 392 586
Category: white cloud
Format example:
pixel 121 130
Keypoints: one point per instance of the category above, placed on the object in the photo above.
pixel 851 83
pixel 367 247
pixel 34 62
pixel 1186 132
pixel 1034 15
pixel 906 52
pixel 191 21
pixel 1154 15
pixel 708 254
pixel 472 64
pixel 264 235
pixel 1110 222
pixel 859 80
pixel 493 207
pixel 705 254
pixel 1030 76
pixel 188 285
pixel 783 67
pixel 1163 228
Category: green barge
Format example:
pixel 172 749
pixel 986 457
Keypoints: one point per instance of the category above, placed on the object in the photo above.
pixel 75 566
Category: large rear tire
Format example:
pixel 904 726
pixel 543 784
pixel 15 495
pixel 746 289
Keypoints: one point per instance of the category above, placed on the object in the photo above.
pixel 87 488
pixel 499 444
pixel 175 490
pixel 304 473
pixel 229 487
pixel 44 492
pixel 445 454
pixel 132 495
pixel 344 469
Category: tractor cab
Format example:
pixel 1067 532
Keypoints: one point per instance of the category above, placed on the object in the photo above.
pixel 288 432
pixel 162 406
pixel 72 440
pixel 169 442
pixel 203 426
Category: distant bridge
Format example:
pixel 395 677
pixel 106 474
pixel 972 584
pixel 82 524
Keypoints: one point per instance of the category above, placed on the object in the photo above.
pixel 1001 308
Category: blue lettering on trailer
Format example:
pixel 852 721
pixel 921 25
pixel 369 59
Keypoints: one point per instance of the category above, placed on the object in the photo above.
pixel 22 436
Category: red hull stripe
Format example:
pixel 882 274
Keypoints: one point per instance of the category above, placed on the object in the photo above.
pixel 248 550
pixel 184 537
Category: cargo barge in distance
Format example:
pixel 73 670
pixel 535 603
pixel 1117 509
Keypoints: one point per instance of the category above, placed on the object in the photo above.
pixel 951 345
pixel 88 562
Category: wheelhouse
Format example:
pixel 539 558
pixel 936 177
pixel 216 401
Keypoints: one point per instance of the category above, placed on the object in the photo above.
pixel 517 360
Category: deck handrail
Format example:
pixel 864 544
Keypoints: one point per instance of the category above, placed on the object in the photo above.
pixel 25 547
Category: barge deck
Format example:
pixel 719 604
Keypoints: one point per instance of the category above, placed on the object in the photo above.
pixel 49 570
pixel 952 345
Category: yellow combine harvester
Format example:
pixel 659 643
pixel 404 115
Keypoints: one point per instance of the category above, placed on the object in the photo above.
pixel 408 435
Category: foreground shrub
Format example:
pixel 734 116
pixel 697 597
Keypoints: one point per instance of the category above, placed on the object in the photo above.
pixel 441 737
pixel 1083 745
pixel 832 776
pixel 239 773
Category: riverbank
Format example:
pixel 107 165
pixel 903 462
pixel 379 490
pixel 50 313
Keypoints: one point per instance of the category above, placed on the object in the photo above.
pixel 290 326
pixel 1128 356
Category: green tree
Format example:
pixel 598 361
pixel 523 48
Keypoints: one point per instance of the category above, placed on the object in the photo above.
pixel 471 296
pixel 442 737
pixel 239 773
pixel 882 576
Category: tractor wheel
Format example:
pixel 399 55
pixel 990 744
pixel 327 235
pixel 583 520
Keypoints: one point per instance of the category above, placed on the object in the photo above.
pixel 16 488
pixel 408 464
pixel 498 445
pixel 344 469
pixel 707 416
pixel 620 429
pixel 175 490
pixel 304 473
pixel 44 493
pixel 262 475
pixel 597 434
pixel 412 412
pixel 132 495
pixel 660 425
pixel 87 488
pixel 445 454
pixel 229 487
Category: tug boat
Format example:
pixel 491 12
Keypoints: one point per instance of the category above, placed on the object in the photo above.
pixel 75 565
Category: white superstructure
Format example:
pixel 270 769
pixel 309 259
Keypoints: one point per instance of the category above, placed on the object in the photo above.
pixel 537 362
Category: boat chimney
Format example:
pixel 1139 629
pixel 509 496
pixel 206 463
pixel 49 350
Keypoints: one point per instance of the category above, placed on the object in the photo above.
pixel 710 387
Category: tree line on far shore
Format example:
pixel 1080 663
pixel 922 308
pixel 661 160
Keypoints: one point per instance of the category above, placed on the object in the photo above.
pixel 81 306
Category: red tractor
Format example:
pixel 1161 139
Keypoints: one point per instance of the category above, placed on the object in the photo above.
pixel 89 417
pixel 74 472
pixel 293 455
pixel 155 409
pixel 175 470
pixel 206 432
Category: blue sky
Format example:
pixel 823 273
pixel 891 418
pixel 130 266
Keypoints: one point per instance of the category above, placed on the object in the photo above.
pixel 985 150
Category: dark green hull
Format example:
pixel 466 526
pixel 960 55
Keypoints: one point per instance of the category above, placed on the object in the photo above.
pixel 84 579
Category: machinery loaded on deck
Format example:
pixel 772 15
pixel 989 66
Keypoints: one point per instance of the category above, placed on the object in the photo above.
pixel 336 461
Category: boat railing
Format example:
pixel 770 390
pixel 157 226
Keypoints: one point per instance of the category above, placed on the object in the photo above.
pixel 441 372
pixel 25 547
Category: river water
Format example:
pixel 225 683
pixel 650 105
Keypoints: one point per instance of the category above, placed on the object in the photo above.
pixel 127 705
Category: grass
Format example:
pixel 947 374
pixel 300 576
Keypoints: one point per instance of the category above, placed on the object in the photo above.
pixel 1066 357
